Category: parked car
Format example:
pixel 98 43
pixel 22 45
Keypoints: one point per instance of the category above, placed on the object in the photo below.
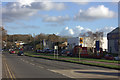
pixel 109 57
pixel 65 52
pixel 51 51
pixel 12 52
pixel 117 58
pixel 70 54
pixel 20 53
pixel 39 51
pixel 48 51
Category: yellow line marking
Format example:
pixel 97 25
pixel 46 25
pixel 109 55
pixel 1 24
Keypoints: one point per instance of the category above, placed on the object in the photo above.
pixel 13 74
pixel 9 71
pixel 5 70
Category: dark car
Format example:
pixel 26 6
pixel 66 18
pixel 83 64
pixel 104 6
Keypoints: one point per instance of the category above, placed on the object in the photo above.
pixel 39 51
pixel 20 53
pixel 65 52
pixel 109 57
pixel 70 54
pixel 48 51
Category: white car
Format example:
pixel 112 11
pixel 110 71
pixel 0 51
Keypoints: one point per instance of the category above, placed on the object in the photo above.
pixel 117 58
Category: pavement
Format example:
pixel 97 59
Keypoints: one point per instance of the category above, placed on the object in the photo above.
pixel 24 67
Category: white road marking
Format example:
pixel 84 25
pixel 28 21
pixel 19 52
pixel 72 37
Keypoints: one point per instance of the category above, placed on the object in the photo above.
pixel 40 67
pixel 87 73
pixel 32 64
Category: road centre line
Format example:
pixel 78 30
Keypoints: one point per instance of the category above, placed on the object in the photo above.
pixel 12 76
pixel 31 63
pixel 10 72
pixel 5 70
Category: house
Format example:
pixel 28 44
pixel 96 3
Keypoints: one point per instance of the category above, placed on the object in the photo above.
pixel 87 42
pixel 113 41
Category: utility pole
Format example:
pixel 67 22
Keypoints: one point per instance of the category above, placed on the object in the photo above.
pixel 0 40
pixel 79 52
pixel 54 53
pixel 6 42
pixel 40 42
pixel 55 49
pixel 34 41
pixel 13 41
pixel 57 52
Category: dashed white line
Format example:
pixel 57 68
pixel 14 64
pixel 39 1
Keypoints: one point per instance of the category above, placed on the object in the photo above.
pixel 31 63
pixel 40 67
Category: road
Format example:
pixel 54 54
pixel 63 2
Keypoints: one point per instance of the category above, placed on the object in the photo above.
pixel 23 67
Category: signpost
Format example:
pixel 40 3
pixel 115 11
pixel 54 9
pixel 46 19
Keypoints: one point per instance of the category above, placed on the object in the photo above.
pixel 80 49
pixel 55 48
pixel 81 40
pixel 79 53
pixel 97 45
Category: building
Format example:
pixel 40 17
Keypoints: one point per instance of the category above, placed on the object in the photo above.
pixel 113 41
pixel 87 42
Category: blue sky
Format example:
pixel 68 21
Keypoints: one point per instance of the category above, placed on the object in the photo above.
pixel 59 18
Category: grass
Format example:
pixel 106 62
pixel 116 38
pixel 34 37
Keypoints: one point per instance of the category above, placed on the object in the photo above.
pixel 89 59
pixel 82 62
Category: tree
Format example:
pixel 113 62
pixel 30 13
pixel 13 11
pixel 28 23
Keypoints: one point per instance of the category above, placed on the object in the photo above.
pixel 3 37
pixel 90 38
pixel 3 33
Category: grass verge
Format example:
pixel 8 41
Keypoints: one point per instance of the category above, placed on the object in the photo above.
pixel 79 62
pixel 89 59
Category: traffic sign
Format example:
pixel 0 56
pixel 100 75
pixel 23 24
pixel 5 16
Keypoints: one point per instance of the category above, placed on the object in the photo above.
pixel 97 45
pixel 55 47
pixel 81 40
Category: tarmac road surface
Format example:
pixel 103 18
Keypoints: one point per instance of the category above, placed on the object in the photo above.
pixel 24 67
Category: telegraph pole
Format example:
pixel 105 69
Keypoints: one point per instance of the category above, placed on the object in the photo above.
pixel 13 40
pixel 79 53
pixel 34 41
pixel 6 42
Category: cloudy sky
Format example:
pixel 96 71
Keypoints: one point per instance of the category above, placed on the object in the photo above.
pixel 62 18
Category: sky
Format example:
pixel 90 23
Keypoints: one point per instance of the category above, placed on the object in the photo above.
pixel 60 18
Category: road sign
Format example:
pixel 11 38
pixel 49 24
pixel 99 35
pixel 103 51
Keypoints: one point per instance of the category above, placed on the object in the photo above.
pixel 55 47
pixel 17 44
pixel 81 40
pixel 97 45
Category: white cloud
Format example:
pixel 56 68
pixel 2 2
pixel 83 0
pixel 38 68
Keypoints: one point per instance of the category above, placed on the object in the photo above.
pixel 47 6
pixel 66 32
pixel 94 13
pixel 80 2
pixel 78 30
pixel 24 10
pixel 58 19
pixel 73 31
pixel 13 11
pixel 25 2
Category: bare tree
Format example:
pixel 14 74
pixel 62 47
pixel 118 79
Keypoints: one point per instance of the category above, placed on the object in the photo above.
pixel 90 38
